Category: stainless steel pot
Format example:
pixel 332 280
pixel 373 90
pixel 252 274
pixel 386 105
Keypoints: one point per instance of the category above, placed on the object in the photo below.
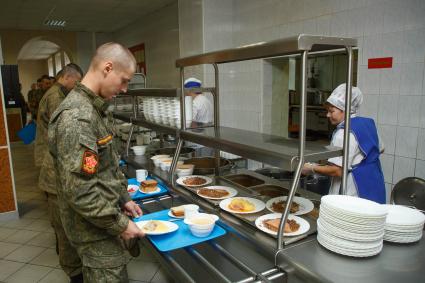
pixel 185 151
pixel 206 165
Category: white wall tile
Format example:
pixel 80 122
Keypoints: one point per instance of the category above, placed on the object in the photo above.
pixel 372 47
pixel 393 45
pixel 422 114
pixel 374 19
pixel 409 110
pixel 388 189
pixel 406 142
pixel 388 137
pixel 403 168
pixel 370 79
pixel 415 14
pixel 420 154
pixel 414 46
pixel 369 106
pixel 394 15
pixel 389 82
pixel 420 169
pixel 411 79
pixel 339 24
pixel 387 163
pixel 324 25
pixel 388 109
pixel 356 22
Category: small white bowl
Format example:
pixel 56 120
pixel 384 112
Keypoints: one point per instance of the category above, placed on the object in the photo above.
pixel 160 156
pixel 132 190
pixel 186 170
pixel 139 149
pixel 159 161
pixel 201 224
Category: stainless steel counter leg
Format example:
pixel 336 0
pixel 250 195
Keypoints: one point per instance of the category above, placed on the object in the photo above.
pixel 207 264
pixel 130 134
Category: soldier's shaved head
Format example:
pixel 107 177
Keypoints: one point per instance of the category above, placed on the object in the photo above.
pixel 113 52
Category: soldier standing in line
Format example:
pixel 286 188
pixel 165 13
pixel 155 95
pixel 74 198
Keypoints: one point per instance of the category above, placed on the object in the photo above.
pixel 67 78
pixel 92 191
pixel 32 99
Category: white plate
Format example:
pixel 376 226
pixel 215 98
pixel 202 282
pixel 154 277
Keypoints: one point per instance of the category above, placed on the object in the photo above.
pixel 304 225
pixel 232 192
pixel 171 227
pixel 172 215
pixel 158 189
pixel 354 206
pixel 305 205
pixel 135 187
pixel 403 216
pixel 258 204
pixel 180 180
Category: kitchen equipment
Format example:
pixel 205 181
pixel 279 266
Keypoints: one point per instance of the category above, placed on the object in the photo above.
pixel 185 151
pixel 244 180
pixel 206 165
pixel 409 192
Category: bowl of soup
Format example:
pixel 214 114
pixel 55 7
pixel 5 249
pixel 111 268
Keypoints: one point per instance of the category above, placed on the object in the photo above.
pixel 201 224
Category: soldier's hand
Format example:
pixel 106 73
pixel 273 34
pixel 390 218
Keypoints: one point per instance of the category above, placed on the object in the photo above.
pixel 132 209
pixel 132 231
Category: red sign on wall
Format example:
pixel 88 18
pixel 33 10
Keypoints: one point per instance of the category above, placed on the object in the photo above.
pixel 139 53
pixel 380 63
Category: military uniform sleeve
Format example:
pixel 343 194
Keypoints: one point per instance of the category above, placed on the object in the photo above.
pixel 53 102
pixel 77 155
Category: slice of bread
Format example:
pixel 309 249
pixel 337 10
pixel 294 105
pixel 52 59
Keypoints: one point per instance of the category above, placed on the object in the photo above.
pixel 178 211
pixel 148 186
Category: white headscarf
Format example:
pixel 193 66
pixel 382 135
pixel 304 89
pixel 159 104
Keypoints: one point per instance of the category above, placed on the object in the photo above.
pixel 337 98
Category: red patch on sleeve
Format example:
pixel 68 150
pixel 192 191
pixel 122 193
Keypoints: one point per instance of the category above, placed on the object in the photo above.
pixel 90 162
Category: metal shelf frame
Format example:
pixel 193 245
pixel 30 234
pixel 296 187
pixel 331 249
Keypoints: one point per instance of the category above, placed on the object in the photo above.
pixel 283 152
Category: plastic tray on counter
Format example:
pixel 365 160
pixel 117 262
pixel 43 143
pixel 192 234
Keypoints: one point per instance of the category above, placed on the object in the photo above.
pixel 139 195
pixel 180 238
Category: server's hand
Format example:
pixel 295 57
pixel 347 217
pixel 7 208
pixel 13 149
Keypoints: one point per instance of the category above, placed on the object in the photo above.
pixel 132 209
pixel 132 231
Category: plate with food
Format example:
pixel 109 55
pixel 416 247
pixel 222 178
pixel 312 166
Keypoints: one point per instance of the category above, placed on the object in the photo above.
pixel 177 211
pixel 242 205
pixel 157 227
pixel 217 192
pixel 299 205
pixel 194 181
pixel 132 189
pixel 149 187
pixel 294 225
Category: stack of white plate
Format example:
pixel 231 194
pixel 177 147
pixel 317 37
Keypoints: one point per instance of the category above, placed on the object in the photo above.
pixel 403 224
pixel 351 226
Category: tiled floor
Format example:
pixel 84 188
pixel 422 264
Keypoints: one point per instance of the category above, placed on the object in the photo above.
pixel 27 245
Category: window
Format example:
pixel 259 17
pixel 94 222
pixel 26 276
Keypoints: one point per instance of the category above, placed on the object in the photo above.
pixel 50 66
pixel 58 62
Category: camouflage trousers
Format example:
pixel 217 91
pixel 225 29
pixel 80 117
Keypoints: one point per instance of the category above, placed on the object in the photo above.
pixel 103 261
pixel 68 256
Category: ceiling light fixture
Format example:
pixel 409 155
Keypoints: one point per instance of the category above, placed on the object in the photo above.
pixel 55 23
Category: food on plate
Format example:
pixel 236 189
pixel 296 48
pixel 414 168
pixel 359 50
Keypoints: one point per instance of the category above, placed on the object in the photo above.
pixel 213 193
pixel 154 226
pixel 178 211
pixel 131 190
pixel 194 181
pixel 280 206
pixel 273 224
pixel 148 186
pixel 241 205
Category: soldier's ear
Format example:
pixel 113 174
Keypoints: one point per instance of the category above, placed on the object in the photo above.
pixel 108 67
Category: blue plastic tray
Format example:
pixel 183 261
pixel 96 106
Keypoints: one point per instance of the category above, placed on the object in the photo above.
pixel 139 195
pixel 180 238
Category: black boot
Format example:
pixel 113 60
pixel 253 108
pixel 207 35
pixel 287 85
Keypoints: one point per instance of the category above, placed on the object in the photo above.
pixel 77 278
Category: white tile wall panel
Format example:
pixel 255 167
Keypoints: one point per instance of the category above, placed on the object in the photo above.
pixel 369 106
pixel 414 14
pixel 389 82
pixel 406 142
pixel 339 24
pixel 421 145
pixel 372 47
pixel 394 16
pixel 310 26
pixel 388 189
pixel 409 110
pixel 356 22
pixel 422 114
pixel 420 169
pixel 411 79
pixel 387 134
pixel 387 163
pixel 403 168
pixel 324 25
pixel 374 19
pixel 414 46
pixel 388 109
pixel 393 45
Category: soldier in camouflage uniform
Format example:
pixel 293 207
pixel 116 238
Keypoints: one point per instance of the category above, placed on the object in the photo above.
pixel 32 99
pixel 67 78
pixel 92 191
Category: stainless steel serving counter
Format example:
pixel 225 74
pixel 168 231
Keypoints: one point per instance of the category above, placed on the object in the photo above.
pixel 303 261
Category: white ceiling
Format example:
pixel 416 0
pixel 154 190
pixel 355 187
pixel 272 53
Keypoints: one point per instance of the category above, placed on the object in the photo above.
pixel 37 50
pixel 80 15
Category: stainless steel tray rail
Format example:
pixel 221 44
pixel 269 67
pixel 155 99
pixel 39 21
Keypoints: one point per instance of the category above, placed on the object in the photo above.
pixel 286 152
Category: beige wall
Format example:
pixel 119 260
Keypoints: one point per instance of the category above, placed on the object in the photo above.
pixel 29 72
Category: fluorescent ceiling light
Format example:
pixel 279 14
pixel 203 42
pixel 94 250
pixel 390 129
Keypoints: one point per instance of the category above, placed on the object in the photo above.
pixel 55 23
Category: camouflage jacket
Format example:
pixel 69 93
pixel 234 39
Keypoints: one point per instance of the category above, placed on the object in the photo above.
pixel 48 104
pixel 32 101
pixel 91 187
